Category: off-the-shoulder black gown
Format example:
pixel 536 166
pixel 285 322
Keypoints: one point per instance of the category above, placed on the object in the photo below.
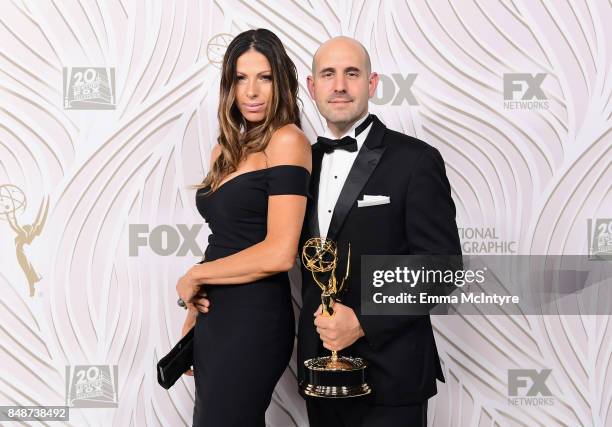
pixel 244 343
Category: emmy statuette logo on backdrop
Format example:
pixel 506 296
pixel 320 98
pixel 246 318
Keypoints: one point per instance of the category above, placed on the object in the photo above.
pixel 13 203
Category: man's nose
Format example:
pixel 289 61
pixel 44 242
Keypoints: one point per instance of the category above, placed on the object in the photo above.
pixel 339 84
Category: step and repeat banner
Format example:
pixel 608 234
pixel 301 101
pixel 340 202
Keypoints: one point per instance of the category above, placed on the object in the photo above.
pixel 108 114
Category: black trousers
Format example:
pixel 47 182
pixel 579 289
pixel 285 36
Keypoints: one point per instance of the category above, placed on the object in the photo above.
pixel 359 413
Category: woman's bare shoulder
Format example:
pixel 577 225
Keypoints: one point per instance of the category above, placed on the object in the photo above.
pixel 289 145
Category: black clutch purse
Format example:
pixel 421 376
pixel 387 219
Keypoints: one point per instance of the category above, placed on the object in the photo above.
pixel 177 362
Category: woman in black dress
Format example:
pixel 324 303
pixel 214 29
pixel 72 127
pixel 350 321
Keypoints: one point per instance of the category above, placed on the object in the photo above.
pixel 254 200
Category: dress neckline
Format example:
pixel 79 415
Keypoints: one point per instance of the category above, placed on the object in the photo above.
pixel 254 171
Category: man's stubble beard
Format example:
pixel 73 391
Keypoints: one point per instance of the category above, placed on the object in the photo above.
pixel 341 119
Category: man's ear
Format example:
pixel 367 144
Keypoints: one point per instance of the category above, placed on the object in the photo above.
pixel 310 84
pixel 373 84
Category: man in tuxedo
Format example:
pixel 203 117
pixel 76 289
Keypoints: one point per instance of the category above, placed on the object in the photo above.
pixel 359 156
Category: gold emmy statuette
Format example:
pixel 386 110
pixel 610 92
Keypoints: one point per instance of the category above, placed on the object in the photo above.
pixel 331 376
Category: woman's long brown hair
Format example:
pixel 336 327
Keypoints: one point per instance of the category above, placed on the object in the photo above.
pixel 236 141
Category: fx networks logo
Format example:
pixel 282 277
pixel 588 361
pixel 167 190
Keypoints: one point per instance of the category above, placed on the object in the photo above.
pixel 527 387
pixel 165 239
pixel 395 90
pixel 13 203
pixel 89 88
pixel 523 91
pixel 91 386
pixel 600 238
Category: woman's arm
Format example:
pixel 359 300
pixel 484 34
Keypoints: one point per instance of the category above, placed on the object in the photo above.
pixel 277 252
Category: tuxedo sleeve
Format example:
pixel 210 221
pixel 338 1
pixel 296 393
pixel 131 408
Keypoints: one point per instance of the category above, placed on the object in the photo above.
pixel 430 229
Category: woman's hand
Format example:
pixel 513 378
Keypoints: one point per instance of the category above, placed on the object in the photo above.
pixel 201 302
pixel 187 287
pixel 189 323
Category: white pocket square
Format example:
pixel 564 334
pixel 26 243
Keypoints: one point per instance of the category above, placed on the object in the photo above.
pixel 373 201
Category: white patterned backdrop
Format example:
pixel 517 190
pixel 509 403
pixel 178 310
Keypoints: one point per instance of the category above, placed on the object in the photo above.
pixel 108 112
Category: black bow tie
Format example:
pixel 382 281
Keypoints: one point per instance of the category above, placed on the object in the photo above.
pixel 347 143
pixel 328 145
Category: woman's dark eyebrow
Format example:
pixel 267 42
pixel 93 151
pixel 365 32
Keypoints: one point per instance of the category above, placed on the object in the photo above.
pixel 259 74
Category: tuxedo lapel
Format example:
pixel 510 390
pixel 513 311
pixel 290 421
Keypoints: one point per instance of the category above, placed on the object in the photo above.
pixel 312 213
pixel 360 172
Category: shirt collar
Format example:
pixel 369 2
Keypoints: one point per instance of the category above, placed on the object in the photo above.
pixel 351 132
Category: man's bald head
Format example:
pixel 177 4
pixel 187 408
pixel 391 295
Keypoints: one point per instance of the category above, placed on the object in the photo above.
pixel 342 82
pixel 343 42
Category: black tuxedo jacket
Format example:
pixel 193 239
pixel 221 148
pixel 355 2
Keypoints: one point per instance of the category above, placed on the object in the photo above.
pixel 401 350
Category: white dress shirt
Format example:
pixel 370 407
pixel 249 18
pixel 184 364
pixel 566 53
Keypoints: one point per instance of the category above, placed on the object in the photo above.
pixel 335 168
